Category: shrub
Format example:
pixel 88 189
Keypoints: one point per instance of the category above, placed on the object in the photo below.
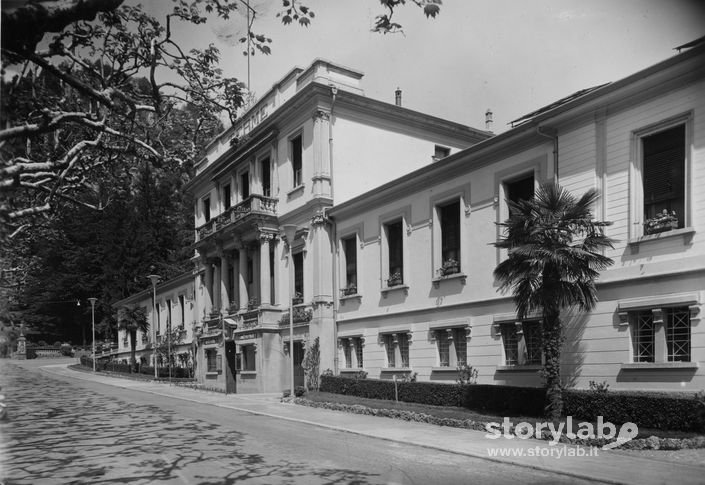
pixel 66 350
pixel 599 387
pixel 466 374
pixel 658 410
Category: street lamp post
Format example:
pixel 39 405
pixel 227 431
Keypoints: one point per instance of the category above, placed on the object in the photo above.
pixel 290 234
pixel 154 279
pixel 93 300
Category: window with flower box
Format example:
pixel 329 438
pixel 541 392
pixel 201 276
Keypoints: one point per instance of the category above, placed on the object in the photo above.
pixel 349 260
pixel 394 233
pixel 661 167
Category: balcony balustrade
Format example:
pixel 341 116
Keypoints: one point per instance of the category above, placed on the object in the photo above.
pixel 254 205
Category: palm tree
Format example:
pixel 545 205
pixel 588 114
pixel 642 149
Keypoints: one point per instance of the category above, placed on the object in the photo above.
pixel 553 260
pixel 132 320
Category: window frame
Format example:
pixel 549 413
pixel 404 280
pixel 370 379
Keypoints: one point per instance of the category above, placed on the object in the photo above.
pixel 248 364
pixel 206 208
pixel 397 349
pixel 296 159
pixel 226 193
pixel 349 245
pixel 636 185
pixel 519 344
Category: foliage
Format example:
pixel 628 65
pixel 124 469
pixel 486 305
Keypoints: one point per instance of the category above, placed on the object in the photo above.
pixel 66 350
pixel 657 410
pixel 661 222
pixel 133 320
pixel 466 374
pixel 554 257
pixel 599 387
pixel 311 364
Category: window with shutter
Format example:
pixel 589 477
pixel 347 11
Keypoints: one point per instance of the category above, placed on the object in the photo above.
pixel 663 175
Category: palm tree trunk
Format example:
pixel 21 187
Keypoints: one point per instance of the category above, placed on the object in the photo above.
pixel 552 341
pixel 133 349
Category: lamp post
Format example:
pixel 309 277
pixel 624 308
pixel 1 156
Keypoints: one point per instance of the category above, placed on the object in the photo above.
pixel 154 279
pixel 290 233
pixel 93 300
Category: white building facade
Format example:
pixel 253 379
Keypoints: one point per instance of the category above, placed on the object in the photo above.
pixel 313 140
pixel 415 258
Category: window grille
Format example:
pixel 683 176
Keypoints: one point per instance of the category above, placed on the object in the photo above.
pixel 644 337
pixel 678 334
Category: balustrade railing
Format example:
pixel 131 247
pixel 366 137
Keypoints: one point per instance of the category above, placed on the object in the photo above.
pixel 255 203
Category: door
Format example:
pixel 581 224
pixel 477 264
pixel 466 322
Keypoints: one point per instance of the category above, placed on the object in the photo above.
pixel 298 361
pixel 230 368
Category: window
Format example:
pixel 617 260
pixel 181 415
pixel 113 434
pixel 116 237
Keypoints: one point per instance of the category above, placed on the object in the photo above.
pixel 678 334
pixel 520 189
pixel 660 329
pixel 211 361
pixel 182 308
pixel 350 260
pixel 397 349
pixel 244 185
pixel 226 197
pixel 296 147
pixel 440 152
pixel 248 358
pixel 449 219
pixel 250 271
pixel 395 256
pixel 643 336
pixel 266 178
pixel 347 352
pixel 299 276
pixel 357 341
pixel 452 346
pixel 522 343
pixel 168 316
pixel 206 203
pixel 663 180
pixel 158 310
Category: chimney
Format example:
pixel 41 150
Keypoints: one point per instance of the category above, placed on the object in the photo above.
pixel 488 119
pixel 397 97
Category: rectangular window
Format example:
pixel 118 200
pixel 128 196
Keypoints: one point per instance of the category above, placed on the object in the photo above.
pixel 678 334
pixel 250 272
pixel 643 337
pixel 206 204
pixel 168 316
pixel 403 342
pixel 158 310
pixel 299 276
pixel 443 348
pixel 272 286
pixel 182 308
pixel 449 216
pixel 350 255
pixel 347 352
pixel 395 245
pixel 248 358
pixel 296 147
pixel 266 178
pixel 510 341
pixel 663 178
pixel 391 350
pixel 532 342
pixel 520 189
pixel 461 346
pixel 358 352
pixel 231 284
pixel 211 364
pixel 226 197
pixel 244 185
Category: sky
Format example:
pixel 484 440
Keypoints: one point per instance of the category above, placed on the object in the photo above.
pixel 510 56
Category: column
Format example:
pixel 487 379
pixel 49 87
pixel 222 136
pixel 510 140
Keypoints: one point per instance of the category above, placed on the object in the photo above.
pixel 242 276
pixel 322 250
pixel 321 153
pixel 224 283
pixel 264 269
pixel 208 283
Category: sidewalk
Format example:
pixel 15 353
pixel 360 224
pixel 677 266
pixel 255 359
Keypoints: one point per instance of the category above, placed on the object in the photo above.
pixel 608 466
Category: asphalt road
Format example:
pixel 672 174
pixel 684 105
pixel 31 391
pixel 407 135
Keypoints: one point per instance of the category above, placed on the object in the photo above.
pixel 76 431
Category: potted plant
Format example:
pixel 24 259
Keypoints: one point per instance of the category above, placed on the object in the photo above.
pixel 395 279
pixel 351 289
pixel 665 221
pixel 450 266
pixel 298 298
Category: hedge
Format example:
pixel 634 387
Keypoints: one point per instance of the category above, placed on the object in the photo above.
pixel 657 410
pixel 163 372
pixel 666 411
